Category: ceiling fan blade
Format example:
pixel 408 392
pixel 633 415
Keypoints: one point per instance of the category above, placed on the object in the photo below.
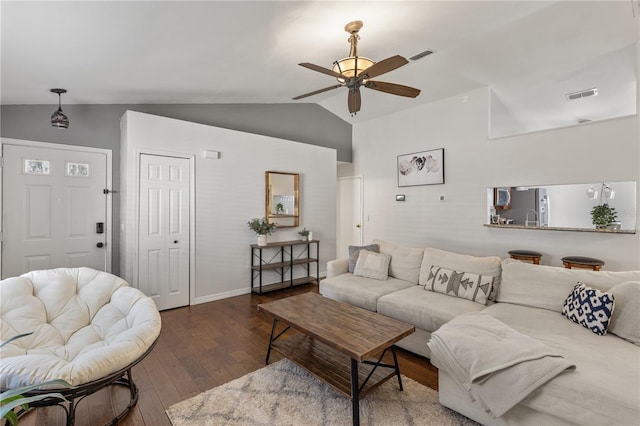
pixel 315 92
pixel 354 100
pixel 384 66
pixel 323 70
pixel 394 89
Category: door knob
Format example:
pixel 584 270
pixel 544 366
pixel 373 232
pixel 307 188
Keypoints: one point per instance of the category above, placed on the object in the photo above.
pixel 175 241
pixel 358 226
pixel 100 245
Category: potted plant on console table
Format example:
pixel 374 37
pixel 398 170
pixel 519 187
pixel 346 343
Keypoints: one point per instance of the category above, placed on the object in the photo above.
pixel 305 234
pixel 262 227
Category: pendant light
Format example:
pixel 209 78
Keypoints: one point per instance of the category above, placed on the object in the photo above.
pixel 59 118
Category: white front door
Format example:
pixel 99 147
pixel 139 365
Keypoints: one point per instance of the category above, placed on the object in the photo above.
pixel 54 209
pixel 349 215
pixel 163 230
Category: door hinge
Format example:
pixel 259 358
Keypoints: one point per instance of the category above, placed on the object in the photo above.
pixel 1 161
pixel 106 191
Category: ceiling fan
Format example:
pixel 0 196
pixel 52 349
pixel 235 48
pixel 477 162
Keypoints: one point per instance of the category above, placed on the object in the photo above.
pixel 356 71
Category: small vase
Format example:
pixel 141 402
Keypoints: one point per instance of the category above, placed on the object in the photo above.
pixel 304 237
pixel 262 240
pixel 310 236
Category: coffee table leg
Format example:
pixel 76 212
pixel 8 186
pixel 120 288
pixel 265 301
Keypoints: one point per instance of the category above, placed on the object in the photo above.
pixel 395 363
pixel 355 392
pixel 273 330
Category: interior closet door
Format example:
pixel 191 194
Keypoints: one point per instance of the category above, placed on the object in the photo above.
pixel 163 230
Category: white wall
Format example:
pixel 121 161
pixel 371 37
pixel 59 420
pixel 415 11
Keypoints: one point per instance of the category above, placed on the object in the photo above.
pixel 594 152
pixel 228 192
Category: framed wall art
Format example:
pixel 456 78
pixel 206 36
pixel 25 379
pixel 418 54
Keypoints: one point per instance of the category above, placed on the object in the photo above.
pixel 421 168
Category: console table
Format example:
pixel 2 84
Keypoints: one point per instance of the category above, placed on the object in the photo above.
pixel 283 257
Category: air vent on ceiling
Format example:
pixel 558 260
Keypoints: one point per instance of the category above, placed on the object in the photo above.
pixel 421 55
pixel 582 94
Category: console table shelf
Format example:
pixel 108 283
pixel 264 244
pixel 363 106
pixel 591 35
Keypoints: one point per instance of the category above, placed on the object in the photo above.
pixel 280 258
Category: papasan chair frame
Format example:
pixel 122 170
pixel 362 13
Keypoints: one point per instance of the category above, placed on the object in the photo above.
pixel 75 395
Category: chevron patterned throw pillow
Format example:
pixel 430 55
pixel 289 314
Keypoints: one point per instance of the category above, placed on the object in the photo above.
pixel 466 285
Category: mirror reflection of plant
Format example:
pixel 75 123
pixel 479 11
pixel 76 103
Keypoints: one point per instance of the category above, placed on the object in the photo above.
pixel 261 226
pixel 603 216
pixel 13 398
pixel 279 208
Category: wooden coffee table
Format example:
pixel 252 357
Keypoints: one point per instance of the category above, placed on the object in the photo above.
pixel 341 344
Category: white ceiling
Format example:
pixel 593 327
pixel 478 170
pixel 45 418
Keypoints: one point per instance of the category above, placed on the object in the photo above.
pixel 115 52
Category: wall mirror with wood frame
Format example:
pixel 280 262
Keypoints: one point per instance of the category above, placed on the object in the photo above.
pixel 282 198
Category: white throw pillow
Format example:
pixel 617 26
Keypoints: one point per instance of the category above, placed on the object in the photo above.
pixel 625 321
pixel 372 265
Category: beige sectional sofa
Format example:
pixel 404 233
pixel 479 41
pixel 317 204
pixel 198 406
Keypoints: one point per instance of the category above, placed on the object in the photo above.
pixel 604 388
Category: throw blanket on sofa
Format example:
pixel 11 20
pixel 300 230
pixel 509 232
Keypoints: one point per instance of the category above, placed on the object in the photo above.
pixel 496 364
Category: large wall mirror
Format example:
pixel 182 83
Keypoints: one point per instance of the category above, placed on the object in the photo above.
pixel 564 207
pixel 282 200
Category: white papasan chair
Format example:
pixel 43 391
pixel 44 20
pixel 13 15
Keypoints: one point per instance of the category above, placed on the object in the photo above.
pixel 89 328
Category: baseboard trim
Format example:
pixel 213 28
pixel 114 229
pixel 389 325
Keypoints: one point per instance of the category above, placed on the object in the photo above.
pixel 220 296
pixel 227 294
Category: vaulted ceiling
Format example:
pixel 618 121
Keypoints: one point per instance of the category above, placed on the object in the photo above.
pixel 117 52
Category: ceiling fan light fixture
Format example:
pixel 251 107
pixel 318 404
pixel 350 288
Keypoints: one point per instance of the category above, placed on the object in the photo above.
pixel 352 66
pixel 59 119
pixel 355 71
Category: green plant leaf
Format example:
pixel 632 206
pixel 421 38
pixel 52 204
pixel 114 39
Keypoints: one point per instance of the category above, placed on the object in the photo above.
pixel 12 417
pixel 18 391
pixel 9 406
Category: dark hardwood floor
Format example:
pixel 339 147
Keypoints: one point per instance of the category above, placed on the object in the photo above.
pixel 200 347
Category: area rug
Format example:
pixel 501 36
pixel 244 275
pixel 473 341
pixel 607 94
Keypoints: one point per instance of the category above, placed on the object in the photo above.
pixel 285 394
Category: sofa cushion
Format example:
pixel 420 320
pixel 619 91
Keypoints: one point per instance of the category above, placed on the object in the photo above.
pixel 625 321
pixel 360 291
pixel 354 251
pixel 469 286
pixel 372 265
pixel 603 389
pixel 424 309
pixel 485 266
pixel 590 308
pixel 547 287
pixel 405 261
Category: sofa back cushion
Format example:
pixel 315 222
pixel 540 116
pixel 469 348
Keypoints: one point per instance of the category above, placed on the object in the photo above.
pixel 489 266
pixel 625 321
pixel 405 261
pixel 547 287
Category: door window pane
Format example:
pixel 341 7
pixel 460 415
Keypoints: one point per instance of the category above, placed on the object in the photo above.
pixel 36 167
pixel 77 170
